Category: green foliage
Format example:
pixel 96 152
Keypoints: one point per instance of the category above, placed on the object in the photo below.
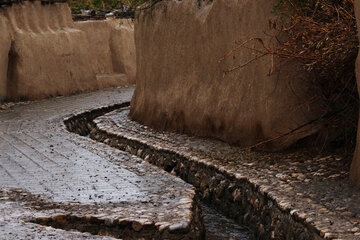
pixel 97 3
pixel 134 3
pixel 76 5
pixel 200 2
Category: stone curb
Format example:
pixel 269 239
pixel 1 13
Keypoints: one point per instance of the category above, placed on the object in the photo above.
pixel 81 123
pixel 238 196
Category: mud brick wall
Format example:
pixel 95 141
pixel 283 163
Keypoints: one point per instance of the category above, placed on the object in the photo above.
pixel 181 83
pixel 44 53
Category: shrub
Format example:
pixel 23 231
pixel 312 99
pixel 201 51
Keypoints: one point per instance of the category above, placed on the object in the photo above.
pixel 322 34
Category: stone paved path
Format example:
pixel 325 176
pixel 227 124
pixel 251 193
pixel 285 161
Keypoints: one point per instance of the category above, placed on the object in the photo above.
pixel 69 174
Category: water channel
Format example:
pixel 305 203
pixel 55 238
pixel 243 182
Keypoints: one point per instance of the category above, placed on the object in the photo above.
pixel 219 227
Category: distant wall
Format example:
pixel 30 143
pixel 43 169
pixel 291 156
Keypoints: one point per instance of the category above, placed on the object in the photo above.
pixel 51 55
pixel 116 38
pixel 122 46
pixel 181 86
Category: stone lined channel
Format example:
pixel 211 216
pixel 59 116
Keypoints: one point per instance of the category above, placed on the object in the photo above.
pixel 217 226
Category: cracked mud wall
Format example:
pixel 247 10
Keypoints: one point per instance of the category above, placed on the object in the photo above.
pixel 181 84
pixel 51 55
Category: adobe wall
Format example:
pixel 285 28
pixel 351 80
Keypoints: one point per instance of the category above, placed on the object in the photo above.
pixel 181 84
pixel 355 164
pixel 122 45
pixel 114 39
pixel 5 43
pixel 51 55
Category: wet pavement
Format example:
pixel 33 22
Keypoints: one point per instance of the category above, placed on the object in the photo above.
pixel 15 217
pixel 57 178
pixel 67 183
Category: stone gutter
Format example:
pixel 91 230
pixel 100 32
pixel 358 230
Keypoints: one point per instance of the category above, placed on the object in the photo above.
pixel 191 227
pixel 236 195
pixel 82 122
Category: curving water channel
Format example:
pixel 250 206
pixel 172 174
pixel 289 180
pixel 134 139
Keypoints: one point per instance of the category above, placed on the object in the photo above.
pixel 220 227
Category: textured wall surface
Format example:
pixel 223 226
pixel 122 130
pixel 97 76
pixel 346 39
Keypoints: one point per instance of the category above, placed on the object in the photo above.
pixel 5 44
pixel 355 166
pixel 51 55
pixel 181 85
pixel 122 45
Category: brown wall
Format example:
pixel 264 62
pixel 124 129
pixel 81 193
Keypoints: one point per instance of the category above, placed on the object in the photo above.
pixel 51 55
pixel 180 82
pixel 122 45
pixel 5 43
pixel 355 166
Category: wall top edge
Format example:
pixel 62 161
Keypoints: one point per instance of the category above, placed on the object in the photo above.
pixel 4 3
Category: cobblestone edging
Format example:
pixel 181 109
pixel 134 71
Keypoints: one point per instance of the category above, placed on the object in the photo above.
pixel 128 228
pixel 82 122
pixel 103 226
pixel 235 195
pixel 193 228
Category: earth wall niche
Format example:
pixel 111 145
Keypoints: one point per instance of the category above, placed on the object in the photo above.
pixel 181 83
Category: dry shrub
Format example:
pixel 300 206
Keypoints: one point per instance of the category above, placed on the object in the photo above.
pixel 322 35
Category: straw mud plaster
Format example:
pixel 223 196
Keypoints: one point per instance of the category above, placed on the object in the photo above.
pixel 44 53
pixel 181 83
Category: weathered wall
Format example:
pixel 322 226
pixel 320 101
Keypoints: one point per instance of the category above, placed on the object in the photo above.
pixel 180 82
pixel 115 41
pixel 51 55
pixel 122 46
pixel 355 165
pixel 5 43
pixel 114 50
